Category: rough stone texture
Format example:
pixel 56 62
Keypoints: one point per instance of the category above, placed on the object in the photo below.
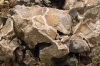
pixel 93 2
pixel 69 4
pixel 45 36
pixel 36 27
pixel 7 44
pixel 45 28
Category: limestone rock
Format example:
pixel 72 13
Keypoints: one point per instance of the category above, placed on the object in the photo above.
pixel 52 32
pixel 70 4
pixel 93 2
pixel 78 45
pixel 7 49
pixel 7 29
pixel 40 26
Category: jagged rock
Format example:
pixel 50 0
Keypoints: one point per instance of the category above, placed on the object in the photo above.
pixel 93 2
pixel 7 49
pixel 40 26
pixel 42 36
pixel 78 45
pixel 29 59
pixel 69 4
pixel 44 28
pixel 79 4
pixel 7 29
pixel 19 55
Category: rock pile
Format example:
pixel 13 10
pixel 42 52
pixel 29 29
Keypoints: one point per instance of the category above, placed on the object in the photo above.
pixel 36 36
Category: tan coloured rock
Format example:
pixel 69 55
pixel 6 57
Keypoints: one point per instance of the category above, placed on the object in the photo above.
pixel 7 49
pixel 78 45
pixel 40 26
pixel 93 2
pixel 44 28
pixel 7 29
pixel 70 4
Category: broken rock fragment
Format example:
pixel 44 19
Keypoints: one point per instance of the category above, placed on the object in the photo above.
pixel 78 45
pixel 51 33
pixel 38 27
pixel 7 29
pixel 7 49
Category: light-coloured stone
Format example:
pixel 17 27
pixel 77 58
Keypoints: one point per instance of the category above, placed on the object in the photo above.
pixel 7 29
pixel 41 26
pixel 7 49
pixel 78 44
pixel 94 2
pixel 48 31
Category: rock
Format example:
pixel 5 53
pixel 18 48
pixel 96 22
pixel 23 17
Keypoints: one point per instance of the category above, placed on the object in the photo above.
pixel 19 55
pixel 79 4
pixel 72 61
pixel 1 23
pixel 29 59
pixel 7 29
pixel 7 49
pixel 93 2
pixel 39 28
pixel 1 1
pixel 43 28
pixel 7 64
pixel 70 4
pixel 38 1
pixel 78 45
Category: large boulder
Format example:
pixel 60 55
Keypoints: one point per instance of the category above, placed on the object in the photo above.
pixel 38 27
pixel 53 34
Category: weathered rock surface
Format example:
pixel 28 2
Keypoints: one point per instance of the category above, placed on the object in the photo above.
pixel 45 28
pixel 40 26
pixel 45 36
